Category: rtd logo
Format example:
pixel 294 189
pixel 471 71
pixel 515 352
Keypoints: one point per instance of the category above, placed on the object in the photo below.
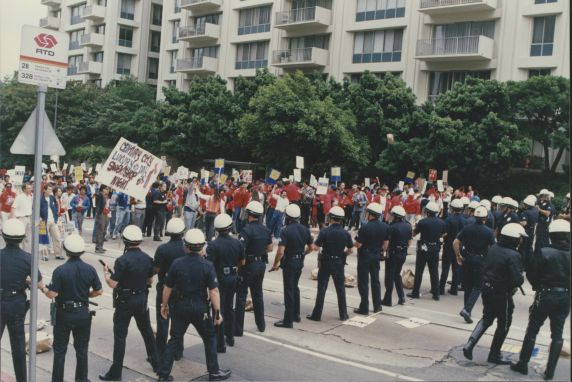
pixel 46 41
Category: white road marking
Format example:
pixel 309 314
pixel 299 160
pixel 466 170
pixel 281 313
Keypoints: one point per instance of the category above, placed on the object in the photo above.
pixel 360 321
pixel 332 358
pixel 412 322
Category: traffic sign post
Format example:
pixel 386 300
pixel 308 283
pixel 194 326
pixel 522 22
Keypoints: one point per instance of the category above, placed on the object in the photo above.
pixel 43 62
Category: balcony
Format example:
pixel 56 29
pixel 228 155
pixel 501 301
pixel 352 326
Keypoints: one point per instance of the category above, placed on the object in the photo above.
pixel 304 20
pixel 94 13
pixel 477 48
pixel 442 7
pixel 89 67
pixel 300 58
pixel 92 40
pixel 50 23
pixel 202 34
pixel 201 6
pixel 52 3
pixel 198 65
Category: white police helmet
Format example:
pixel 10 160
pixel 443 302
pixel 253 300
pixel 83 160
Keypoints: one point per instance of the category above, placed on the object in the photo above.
pixel 74 245
pixel 474 204
pixel 254 208
pixel 506 201
pixel 544 191
pixel 481 212
pixel 398 211
pixel 175 226
pixel 13 229
pixel 559 226
pixel 512 203
pixel 337 212
pixel 194 239
pixel 530 200
pixel 222 222
pixel 432 207
pixel 457 204
pixel 132 235
pixel 568 196
pixel 293 211
pixel 375 209
pixel 486 203
pixel 514 230
pixel 497 199
pixel 465 201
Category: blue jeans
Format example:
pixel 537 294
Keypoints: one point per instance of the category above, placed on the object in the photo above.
pixel 236 219
pixel 276 223
pixel 112 220
pixel 190 218
pixel 269 213
pixel 121 220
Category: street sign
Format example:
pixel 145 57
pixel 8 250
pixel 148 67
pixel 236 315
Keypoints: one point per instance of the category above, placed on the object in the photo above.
pixel 25 142
pixel 43 57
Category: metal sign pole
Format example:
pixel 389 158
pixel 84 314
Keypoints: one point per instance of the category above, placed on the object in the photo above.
pixel 42 89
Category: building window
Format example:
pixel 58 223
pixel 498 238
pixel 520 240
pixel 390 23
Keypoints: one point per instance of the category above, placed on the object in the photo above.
pixel 301 4
pixel 378 46
pixel 543 36
pixel 252 55
pixel 153 68
pixel 544 1
pixel 199 22
pixel 155 41
pixel 170 83
pixel 177 6
pixel 97 56
pixel 125 37
pixel 99 29
pixel 127 9
pixel 75 14
pixel 209 51
pixel 75 38
pixel 173 60
pixel 440 82
pixel 254 20
pixel 156 14
pixel 539 72
pixel 174 31
pixel 123 64
pixel 379 9
pixel 465 29
pixel 97 83
pixel 317 41
pixel 73 63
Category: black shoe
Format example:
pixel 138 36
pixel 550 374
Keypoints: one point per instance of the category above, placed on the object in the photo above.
pixel 377 309
pixel 519 367
pixel 282 324
pixel 298 319
pixel 498 359
pixel 463 313
pixel 310 317
pixel 412 295
pixel 230 341
pixel 553 355
pixel 178 357
pixel 401 301
pixel 262 328
pixel 167 378
pixel 386 303
pixel 108 377
pixel 157 238
pixel 461 289
pixel 359 311
pixel 152 363
pixel 99 251
pixel 220 375
pixel 221 350
pixel 442 291
pixel 60 258
pixel 344 318
pixel 452 292
pixel 238 334
pixel 436 297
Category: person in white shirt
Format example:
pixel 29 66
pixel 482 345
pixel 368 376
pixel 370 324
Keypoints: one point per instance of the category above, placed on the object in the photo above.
pixel 22 210
pixel 278 216
pixel 66 201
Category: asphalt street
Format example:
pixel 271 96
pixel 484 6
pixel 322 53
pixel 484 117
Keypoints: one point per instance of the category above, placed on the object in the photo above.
pixel 421 340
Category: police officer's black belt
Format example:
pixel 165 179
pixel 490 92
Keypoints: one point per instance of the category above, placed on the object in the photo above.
pixel 399 247
pixel 131 291
pixel 255 258
pixel 430 243
pixel 331 258
pixel 555 289
pixel 297 257
pixel 10 292
pixel 229 270
pixel 475 254
pixel 72 304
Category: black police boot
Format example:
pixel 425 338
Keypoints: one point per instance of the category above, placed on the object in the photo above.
pixel 377 309
pixel 110 377
pixel 401 301
pixel 230 341
pixel 261 328
pixel 312 318
pixel 220 375
pixel 495 355
pixel 156 238
pixel 282 324
pixel 525 353
pixel 386 302
pixel 298 319
pixel 452 292
pixel 359 311
pixel 413 295
pixel 476 335
pixel 344 318
pixel 466 315
pixel 167 378
pixel 436 297
pixel 555 349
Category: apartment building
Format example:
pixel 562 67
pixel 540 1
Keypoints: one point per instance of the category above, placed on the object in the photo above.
pixel 431 44
pixel 109 38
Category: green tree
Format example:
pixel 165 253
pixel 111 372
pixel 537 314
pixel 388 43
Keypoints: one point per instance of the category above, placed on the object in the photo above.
pixel 288 118
pixel 246 88
pixel 541 106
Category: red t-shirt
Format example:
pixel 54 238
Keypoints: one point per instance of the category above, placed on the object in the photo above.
pixel 292 192
pixel 412 206
pixel 6 200
pixel 271 200
pixel 179 192
pixel 241 198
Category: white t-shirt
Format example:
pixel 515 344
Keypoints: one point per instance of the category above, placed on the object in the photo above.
pixel 22 205
pixel 66 200
pixel 50 212
pixel 281 203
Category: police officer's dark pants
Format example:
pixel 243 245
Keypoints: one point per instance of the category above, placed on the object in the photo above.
pixel 526 250
pixel 500 306
pixel 553 305
pixel 162 324
pixel 393 265
pixel 334 268
pixel 148 222
pixel 449 261
pixel 160 215
pixel 188 312
pixel 209 225
pixel 355 219
pixel 291 273
pixel 368 266
pixel 542 239
pixel 431 258
pixel 473 266
pixel 12 316
pixel 78 322
pixel 253 276
pixel 227 291
pixel 101 221
pixel 133 306
pixel 305 214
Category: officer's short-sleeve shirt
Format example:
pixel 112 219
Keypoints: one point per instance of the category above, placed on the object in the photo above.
pixel 453 225
pixel 295 237
pixel 399 234
pixel 72 281
pixel 191 275
pixel 132 269
pixel 334 240
pixel 431 229
pixel 476 238
pixel 255 238
pixel 15 267
pixel 372 235
pixel 225 251
pixel 165 255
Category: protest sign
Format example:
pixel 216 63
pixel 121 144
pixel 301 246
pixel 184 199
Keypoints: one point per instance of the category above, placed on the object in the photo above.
pixel 273 177
pixel 336 174
pixel 182 172
pixel 17 177
pixel 390 139
pixel 53 167
pixel 130 169
pixel 300 162
pixel 410 175
pixel 193 174
pixel 78 172
pixel 98 168
pixel 297 175
pixel 222 178
pixel 219 165
pixel 322 188
pixel 445 176
pixel 366 182
pixel 205 175
pixel 291 178
pixel 167 170
pixel 89 170
pixel 84 166
pixel 313 181
pixel 65 167
pixel 400 185
pixel 440 187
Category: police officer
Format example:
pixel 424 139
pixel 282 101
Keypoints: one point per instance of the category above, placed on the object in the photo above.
pixel 453 225
pixel 336 244
pixel 399 240
pixel 295 243
pixel 471 247
pixel 15 267
pixel 73 283
pixel 257 242
pixel 546 212
pixel 132 278
pixel 549 274
pixel 371 242
pixel 164 257
pixel 490 222
pixel 226 253
pixel 431 229
pixel 496 209
pixel 191 276
pixel 466 201
pixel 470 212
pixel 508 208
pixel 528 219
pixel 502 274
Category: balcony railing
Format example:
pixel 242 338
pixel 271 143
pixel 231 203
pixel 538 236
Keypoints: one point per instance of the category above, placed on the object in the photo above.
pixel 93 12
pixel 445 3
pixel 448 46
pixel 76 19
pixel 50 22
pixel 201 5
pixel 191 31
pixel 310 57
pixel 292 55
pixel 190 63
pixel 296 16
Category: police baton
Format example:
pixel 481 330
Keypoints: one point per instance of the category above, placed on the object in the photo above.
pixel 522 290
pixel 105 265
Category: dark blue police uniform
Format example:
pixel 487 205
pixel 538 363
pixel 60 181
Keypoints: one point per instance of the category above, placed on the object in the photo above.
pixel 164 257
pixel 453 225
pixel 505 219
pixel 400 233
pixel 332 260
pixel 530 216
pixel 191 276
pixel 431 229
pixel 294 238
pixel 72 282
pixel 372 235
pixel 15 267
pixel 255 238
pixel 226 253
pixel 132 271
pixel 542 239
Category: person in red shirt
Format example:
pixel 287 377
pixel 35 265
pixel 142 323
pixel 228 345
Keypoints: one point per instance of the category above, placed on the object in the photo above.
pixel 412 207
pixel 179 195
pixel 240 199
pixel 6 200
pixel 292 192
pixel 272 201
